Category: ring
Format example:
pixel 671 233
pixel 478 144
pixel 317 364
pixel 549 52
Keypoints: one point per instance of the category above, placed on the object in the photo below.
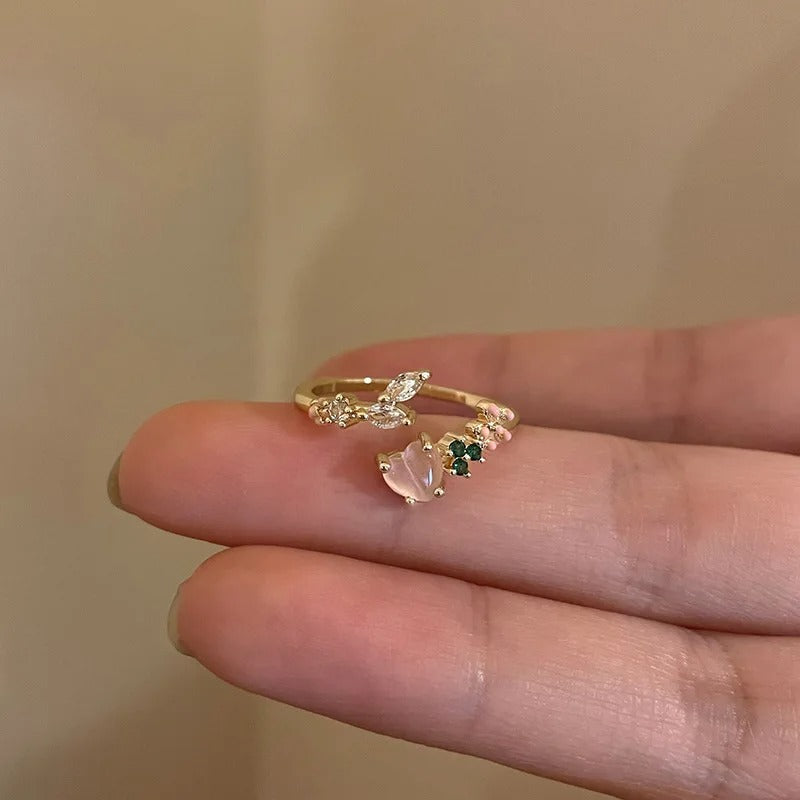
pixel 417 472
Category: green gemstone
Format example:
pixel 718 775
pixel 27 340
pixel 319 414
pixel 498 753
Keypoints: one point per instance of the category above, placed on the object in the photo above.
pixel 474 452
pixel 460 466
pixel 458 448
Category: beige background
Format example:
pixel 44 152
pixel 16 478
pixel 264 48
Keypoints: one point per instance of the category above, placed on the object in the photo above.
pixel 203 199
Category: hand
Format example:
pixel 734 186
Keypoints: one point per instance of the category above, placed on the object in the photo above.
pixel 612 601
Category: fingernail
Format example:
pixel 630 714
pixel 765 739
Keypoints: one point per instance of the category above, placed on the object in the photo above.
pixel 113 485
pixel 172 624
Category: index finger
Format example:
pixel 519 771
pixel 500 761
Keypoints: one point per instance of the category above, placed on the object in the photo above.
pixel 701 536
pixel 736 384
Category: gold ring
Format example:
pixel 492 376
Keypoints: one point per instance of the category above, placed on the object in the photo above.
pixel 417 472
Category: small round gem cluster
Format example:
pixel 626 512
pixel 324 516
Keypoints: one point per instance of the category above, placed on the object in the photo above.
pixel 483 433
pixel 460 453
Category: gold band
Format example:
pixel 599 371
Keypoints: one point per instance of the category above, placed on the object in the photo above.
pixel 312 390
pixel 417 472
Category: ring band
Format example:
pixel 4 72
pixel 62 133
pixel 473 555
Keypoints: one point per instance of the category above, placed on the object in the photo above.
pixel 417 472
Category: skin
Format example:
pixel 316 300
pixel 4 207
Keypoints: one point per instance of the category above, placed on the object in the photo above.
pixel 612 601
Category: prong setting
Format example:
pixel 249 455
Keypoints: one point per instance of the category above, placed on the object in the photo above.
pixel 419 472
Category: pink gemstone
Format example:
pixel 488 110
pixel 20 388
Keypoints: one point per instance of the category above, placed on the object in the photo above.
pixel 485 432
pixel 491 445
pixel 493 410
pixel 507 436
pixel 415 472
pixel 510 414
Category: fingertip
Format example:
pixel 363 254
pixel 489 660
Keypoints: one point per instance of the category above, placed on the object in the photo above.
pixel 195 456
pixel 112 485
pixel 173 624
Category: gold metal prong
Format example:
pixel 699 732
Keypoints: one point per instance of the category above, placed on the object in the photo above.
pixel 383 462
pixel 438 491
pixel 424 374
pixel 407 421
pixel 427 442
pixel 362 416
pixel 410 501
pixel 348 422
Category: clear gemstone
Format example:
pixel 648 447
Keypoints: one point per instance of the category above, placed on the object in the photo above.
pixel 415 472
pixel 334 409
pixel 386 415
pixel 405 386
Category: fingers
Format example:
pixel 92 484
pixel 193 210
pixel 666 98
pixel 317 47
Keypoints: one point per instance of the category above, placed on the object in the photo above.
pixel 706 537
pixel 625 706
pixel 736 384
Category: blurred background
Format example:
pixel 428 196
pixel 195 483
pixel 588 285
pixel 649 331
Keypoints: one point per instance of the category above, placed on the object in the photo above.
pixel 205 199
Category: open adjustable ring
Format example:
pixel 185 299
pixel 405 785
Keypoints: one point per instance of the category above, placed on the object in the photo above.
pixel 416 473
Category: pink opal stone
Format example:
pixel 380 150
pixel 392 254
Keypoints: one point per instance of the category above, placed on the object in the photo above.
pixel 493 410
pixel 415 472
pixel 510 414
pixel 506 435
pixel 491 445
pixel 485 432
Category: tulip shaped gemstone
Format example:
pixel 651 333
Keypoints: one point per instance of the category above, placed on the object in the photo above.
pixel 415 473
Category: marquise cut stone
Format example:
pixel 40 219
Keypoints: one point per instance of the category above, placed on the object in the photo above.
pixel 386 416
pixel 405 386
pixel 415 473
